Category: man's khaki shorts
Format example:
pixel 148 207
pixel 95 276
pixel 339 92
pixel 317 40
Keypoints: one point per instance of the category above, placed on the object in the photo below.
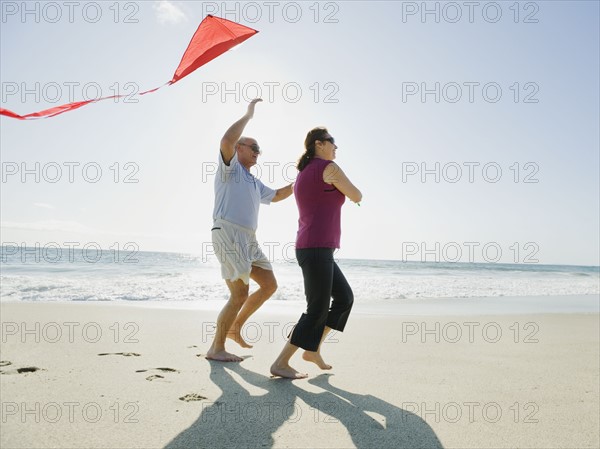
pixel 237 249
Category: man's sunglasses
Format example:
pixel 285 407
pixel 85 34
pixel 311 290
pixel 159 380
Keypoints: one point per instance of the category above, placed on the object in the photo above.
pixel 254 147
pixel 328 139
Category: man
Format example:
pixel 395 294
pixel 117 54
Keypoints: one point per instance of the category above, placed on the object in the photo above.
pixel 238 195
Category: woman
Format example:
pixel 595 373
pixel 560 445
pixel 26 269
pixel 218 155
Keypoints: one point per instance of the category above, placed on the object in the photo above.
pixel 320 190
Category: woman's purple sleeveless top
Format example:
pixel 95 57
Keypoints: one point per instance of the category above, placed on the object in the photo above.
pixel 320 206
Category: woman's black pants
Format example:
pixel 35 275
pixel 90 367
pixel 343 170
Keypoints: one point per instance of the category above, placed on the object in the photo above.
pixel 323 280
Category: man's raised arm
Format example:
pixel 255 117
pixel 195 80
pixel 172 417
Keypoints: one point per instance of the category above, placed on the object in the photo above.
pixel 233 134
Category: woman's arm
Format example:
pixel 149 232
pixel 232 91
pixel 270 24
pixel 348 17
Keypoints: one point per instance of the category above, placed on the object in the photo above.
pixel 334 175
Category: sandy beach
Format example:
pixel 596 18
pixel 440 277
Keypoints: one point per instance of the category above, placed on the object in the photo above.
pixel 110 375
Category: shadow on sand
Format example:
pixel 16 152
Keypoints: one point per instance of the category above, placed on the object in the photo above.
pixel 239 419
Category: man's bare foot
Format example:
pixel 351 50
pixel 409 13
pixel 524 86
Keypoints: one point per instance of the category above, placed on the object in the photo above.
pixel 237 337
pixel 316 358
pixel 222 356
pixel 286 371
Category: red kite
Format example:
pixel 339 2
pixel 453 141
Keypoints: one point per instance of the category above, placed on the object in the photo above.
pixel 213 37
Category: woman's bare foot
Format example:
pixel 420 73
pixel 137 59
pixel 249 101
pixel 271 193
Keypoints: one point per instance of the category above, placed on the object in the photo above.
pixel 286 371
pixel 222 356
pixel 237 337
pixel 316 358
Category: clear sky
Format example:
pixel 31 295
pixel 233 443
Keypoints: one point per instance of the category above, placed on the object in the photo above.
pixel 497 100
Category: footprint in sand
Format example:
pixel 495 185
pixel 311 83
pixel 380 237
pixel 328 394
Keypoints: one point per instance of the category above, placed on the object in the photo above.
pixel 25 370
pixel 126 354
pixel 166 370
pixel 157 376
pixel 192 397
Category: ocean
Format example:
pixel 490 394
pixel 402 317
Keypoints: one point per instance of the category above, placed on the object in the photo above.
pixel 63 274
